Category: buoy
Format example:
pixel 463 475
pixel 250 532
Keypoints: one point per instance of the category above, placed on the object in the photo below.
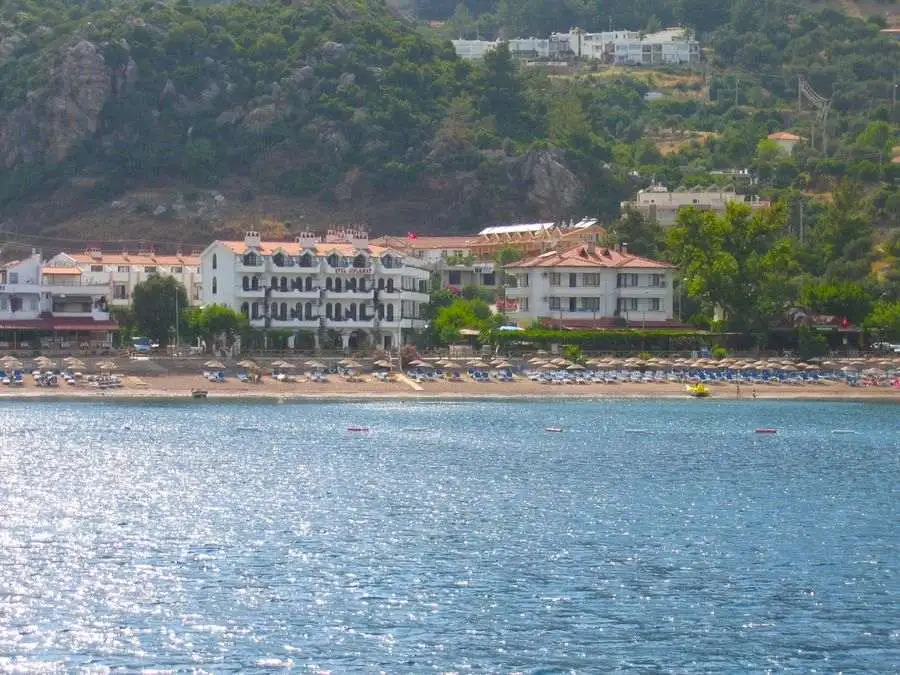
pixel 357 428
pixel 843 431
pixel 554 429
pixel 767 431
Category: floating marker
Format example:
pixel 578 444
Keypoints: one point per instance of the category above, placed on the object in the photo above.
pixel 357 428
pixel 554 429
pixel 766 431
pixel 843 431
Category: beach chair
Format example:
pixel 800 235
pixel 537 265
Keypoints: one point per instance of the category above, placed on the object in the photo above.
pixel 243 377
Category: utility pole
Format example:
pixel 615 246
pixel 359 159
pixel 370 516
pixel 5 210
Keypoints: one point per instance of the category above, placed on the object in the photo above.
pixel 737 89
pixel 799 94
pixel 894 92
pixel 802 231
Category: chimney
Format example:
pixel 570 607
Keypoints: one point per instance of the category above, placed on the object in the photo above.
pixel 360 239
pixel 307 239
pixel 252 239
pixel 624 248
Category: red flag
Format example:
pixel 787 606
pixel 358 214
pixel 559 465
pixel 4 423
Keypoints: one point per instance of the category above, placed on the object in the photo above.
pixel 412 235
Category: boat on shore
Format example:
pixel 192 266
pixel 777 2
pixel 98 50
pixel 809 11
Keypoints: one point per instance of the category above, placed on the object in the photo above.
pixel 698 390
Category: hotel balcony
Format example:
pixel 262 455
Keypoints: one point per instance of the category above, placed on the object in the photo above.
pixel 242 292
pixel 348 296
pixel 250 269
pixel 643 291
pixel 517 291
pixel 7 315
pixel 294 294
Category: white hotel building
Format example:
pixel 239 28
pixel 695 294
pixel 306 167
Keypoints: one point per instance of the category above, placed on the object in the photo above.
pixel 52 307
pixel 345 291
pixel 121 272
pixel 591 286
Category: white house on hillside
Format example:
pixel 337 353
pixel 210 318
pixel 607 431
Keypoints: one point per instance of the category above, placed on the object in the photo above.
pixel 345 291
pixel 658 203
pixel 590 286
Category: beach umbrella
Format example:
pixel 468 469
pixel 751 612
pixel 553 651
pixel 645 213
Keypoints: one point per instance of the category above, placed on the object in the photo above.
pixel 247 363
pixel 455 365
pixel 503 364
pixel 13 363
pixel 316 365
pixel 812 366
pixel 352 365
pixel 107 365
pixel 575 366
pixel 381 364
pixel 789 368
pixel 215 365
pixel 849 369
pixel 549 366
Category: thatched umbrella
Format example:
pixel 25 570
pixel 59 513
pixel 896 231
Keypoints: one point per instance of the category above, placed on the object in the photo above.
pixel 107 365
pixel 381 364
pixel 352 365
pixel 575 366
pixel 549 366
pixel 214 365
pixel 247 363
pixel 316 365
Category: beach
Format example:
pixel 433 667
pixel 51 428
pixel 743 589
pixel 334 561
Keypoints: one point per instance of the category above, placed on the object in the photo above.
pixel 176 386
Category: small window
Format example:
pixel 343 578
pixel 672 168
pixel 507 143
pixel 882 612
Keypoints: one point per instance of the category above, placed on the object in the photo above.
pixel 13 277
pixel 214 286
pixel 122 269
pixel 96 268
pixel 654 304
pixel 215 262
pixel 150 269
pixel 120 292
pixel 177 269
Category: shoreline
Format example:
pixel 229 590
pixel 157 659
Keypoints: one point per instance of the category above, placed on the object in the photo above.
pixel 170 396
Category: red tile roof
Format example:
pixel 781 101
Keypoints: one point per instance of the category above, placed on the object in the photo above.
pixel 588 256
pixel 421 243
pixel 137 259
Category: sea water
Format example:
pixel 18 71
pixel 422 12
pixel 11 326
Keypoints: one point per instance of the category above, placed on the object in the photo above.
pixel 647 536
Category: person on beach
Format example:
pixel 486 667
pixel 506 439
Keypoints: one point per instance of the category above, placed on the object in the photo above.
pixel 738 389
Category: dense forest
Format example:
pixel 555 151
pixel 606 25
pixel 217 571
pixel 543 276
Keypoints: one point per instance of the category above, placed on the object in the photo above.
pixel 350 106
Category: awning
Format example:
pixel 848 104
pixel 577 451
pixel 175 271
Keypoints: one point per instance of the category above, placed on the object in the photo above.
pixel 60 324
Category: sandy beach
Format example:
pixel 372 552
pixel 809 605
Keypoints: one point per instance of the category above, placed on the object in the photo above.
pixel 178 386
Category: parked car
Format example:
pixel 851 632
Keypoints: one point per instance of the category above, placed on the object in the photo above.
pixel 886 347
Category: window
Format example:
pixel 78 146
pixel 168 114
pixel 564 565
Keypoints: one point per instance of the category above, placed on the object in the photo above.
pixel 214 286
pixel 333 260
pixel 245 309
pixel 329 283
pixel 328 310
pixel 590 305
pixel 454 278
pixel 254 309
pixel 554 303
pixel 591 280
pixel 523 305
pixel 390 312
pixel 523 280
pixel 215 263
pixel 4 302
pixel 337 285
pixel 177 269
pixel 308 284
pixel 120 292
pixel 96 268
pixel 627 304
pixel 573 306
pixel 423 286
pixel 307 311
pixel 626 280
pixel 278 259
pixel 656 280
pixel 245 283
pixel 149 269
pixel 252 260
pixel 654 304
pixel 555 279
pixel 489 279
pixel 390 285
pixel 13 277
pixel 124 269
pixel 15 304
pixel 360 261
pixel 573 280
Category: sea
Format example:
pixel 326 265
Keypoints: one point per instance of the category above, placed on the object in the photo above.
pixel 450 537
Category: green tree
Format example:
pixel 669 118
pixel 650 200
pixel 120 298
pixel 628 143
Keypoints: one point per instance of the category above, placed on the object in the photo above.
pixel 740 262
pixel 567 123
pixel 473 314
pixel 214 321
pixel 644 236
pixel 158 302
pixel 838 298
pixel 884 321
pixel 499 93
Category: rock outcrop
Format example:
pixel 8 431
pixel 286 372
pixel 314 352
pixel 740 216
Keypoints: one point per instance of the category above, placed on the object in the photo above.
pixel 51 122
pixel 551 187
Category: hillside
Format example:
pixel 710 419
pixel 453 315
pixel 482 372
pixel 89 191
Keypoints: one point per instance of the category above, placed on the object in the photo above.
pixel 175 121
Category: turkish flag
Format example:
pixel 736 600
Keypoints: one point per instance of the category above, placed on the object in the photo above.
pixel 412 235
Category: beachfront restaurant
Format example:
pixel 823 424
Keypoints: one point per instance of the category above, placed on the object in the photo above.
pixel 57 334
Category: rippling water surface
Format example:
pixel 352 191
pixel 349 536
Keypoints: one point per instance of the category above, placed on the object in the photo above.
pixel 647 536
